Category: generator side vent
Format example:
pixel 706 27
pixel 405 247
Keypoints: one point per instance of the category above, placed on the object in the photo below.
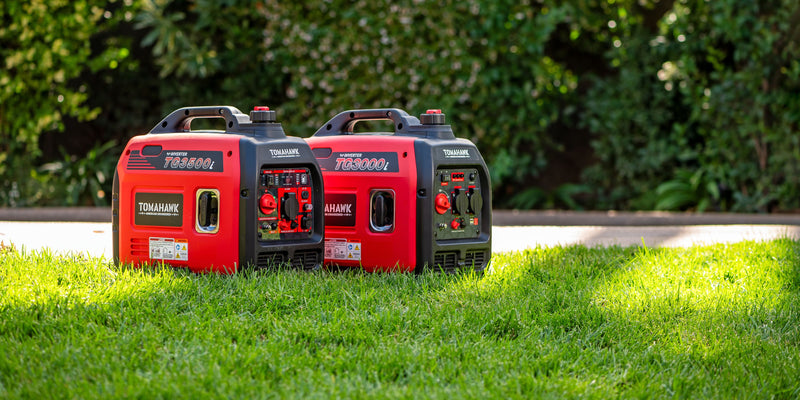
pixel 140 247
pixel 306 259
pixel 476 259
pixel 447 261
pixel 271 259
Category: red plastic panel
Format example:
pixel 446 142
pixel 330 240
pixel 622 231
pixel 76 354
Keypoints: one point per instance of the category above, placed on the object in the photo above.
pixel 356 168
pixel 159 191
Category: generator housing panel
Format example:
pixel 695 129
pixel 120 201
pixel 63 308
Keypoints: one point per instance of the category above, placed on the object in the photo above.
pixel 195 198
pixel 406 200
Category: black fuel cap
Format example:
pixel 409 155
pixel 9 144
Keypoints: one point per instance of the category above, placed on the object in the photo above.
pixel 262 114
pixel 432 117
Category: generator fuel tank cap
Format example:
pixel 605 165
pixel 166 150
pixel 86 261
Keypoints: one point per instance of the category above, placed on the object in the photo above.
pixel 432 117
pixel 261 114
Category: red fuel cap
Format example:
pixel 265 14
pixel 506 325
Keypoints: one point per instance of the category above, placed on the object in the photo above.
pixel 442 203
pixel 267 204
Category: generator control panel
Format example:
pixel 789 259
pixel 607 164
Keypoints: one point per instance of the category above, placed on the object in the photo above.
pixel 285 205
pixel 458 200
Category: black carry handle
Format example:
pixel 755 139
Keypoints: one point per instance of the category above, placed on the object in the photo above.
pixel 343 123
pixel 180 120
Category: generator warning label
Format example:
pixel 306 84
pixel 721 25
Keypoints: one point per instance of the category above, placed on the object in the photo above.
pixel 158 209
pixel 342 249
pixel 169 249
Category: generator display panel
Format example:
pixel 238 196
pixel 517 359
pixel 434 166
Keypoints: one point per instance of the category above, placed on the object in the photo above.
pixel 285 205
pixel 458 201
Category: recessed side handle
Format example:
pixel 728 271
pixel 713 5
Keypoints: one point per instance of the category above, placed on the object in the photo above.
pixel 382 210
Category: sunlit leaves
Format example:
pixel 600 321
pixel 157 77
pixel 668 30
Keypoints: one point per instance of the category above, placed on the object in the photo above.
pixel 706 94
pixel 45 46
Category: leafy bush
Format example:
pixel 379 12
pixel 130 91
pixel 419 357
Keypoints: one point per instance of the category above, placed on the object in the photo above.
pixel 687 190
pixel 45 46
pixel 688 104
pixel 712 93
pixel 80 181
pixel 482 62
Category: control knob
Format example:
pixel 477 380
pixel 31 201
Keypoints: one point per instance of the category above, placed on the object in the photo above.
pixel 267 204
pixel 442 203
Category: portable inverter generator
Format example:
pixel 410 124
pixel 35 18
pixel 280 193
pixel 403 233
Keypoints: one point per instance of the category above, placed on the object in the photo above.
pixel 405 200
pixel 216 201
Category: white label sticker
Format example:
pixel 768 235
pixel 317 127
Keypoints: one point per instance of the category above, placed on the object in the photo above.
pixel 169 249
pixel 342 249
pixel 162 248
pixel 456 153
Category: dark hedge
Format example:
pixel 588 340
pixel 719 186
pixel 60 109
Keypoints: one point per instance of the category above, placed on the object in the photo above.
pixel 576 104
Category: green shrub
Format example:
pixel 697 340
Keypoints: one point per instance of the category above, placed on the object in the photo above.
pixel 713 93
pixel 482 62
pixel 688 104
pixel 80 181
pixel 45 47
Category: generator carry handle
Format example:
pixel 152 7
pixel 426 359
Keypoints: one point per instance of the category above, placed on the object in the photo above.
pixel 432 125
pixel 181 119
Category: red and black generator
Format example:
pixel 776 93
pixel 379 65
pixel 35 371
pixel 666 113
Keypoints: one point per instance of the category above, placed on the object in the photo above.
pixel 406 200
pixel 217 201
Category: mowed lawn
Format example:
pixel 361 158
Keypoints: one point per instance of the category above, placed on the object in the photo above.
pixel 704 322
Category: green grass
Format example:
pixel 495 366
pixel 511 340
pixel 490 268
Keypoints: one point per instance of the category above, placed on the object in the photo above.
pixel 704 322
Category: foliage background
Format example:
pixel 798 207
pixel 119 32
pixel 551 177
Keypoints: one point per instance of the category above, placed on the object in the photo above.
pixel 624 104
